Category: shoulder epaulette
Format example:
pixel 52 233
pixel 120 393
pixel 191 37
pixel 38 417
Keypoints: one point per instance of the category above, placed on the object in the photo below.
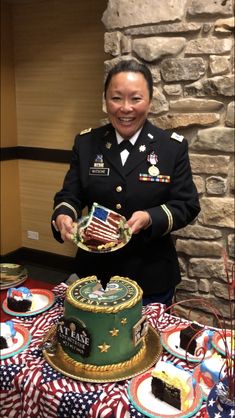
pixel 85 131
pixel 177 137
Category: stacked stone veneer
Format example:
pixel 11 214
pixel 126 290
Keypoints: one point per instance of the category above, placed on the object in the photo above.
pixel 188 46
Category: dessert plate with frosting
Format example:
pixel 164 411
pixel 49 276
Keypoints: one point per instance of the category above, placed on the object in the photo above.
pixel 22 340
pixel 218 342
pixel 207 376
pixel 42 300
pixel 142 398
pixel 171 342
pixel 103 230
pixel 12 275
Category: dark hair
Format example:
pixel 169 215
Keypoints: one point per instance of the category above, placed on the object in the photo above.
pixel 133 67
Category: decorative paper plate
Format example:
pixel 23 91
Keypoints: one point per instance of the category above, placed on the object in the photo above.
pixel 153 352
pixel 144 401
pixel 23 340
pixel 171 342
pixel 43 299
pixel 219 343
pixel 12 275
pixel 204 387
pixel 125 234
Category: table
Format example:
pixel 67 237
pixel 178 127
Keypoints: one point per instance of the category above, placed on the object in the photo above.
pixel 31 388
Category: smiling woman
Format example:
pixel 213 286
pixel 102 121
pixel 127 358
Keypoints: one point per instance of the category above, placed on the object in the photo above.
pixel 127 106
pixel 149 183
pixel 128 99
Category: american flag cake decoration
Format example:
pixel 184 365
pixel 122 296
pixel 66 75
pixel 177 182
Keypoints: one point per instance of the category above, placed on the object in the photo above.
pixel 102 230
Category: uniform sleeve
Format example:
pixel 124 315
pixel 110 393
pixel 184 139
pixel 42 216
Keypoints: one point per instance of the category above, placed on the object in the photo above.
pixel 183 206
pixel 68 201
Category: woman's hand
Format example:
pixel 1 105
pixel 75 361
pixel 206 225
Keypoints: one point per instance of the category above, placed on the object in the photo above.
pixel 139 220
pixel 65 225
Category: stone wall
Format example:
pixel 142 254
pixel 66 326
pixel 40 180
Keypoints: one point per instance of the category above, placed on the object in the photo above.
pixel 188 46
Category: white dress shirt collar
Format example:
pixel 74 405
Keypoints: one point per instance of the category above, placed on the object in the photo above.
pixel 125 153
pixel 133 139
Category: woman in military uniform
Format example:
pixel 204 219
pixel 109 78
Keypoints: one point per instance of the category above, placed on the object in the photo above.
pixel 139 171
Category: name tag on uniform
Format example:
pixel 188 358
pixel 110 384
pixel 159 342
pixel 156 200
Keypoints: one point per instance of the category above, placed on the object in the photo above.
pixel 99 171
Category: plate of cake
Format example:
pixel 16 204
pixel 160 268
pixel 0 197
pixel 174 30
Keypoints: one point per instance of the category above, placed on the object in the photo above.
pixel 209 372
pixel 165 391
pixel 193 342
pixel 12 275
pixel 223 343
pixel 14 339
pixel 103 230
pixel 22 301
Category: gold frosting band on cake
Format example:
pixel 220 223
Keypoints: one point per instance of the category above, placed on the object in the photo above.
pixel 93 368
pixel 101 308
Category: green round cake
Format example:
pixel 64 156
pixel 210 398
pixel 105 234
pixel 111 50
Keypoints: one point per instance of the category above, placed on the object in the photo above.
pixel 102 329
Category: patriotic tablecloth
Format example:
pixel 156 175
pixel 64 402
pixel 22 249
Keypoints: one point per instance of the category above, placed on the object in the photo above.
pixel 31 388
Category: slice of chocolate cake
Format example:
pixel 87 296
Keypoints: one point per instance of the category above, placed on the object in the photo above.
pixel 8 335
pixel 165 392
pixel 188 336
pixel 19 299
pixel 173 385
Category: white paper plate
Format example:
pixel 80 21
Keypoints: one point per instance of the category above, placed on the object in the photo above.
pixel 207 385
pixel 171 342
pixel 218 341
pixel 12 275
pixel 23 338
pixel 144 401
pixel 43 299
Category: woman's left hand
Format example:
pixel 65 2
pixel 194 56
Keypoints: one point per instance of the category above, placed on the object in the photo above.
pixel 139 220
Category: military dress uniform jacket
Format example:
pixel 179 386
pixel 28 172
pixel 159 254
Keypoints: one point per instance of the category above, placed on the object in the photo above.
pixel 97 175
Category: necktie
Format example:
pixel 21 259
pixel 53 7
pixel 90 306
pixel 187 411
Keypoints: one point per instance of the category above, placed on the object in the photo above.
pixel 125 144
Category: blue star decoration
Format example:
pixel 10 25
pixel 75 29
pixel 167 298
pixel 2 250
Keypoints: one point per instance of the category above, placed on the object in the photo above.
pixel 7 374
pixel 75 405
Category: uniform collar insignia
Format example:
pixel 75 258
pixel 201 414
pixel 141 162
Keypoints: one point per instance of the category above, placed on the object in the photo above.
pixel 142 148
pixel 108 145
pixel 177 137
pixel 85 131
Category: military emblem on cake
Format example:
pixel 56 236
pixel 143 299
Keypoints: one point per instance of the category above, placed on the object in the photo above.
pixel 91 291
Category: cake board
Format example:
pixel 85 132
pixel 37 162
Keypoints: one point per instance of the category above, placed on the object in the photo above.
pixel 152 355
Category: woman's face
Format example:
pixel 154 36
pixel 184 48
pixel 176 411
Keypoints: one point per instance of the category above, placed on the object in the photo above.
pixel 127 102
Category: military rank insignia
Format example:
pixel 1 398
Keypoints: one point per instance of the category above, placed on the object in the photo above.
pixel 85 131
pixel 177 137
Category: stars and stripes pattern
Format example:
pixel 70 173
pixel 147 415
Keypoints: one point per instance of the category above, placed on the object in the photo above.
pixel 31 388
pixel 102 225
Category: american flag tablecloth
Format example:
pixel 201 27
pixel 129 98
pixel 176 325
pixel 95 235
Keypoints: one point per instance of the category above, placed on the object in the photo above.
pixel 31 388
